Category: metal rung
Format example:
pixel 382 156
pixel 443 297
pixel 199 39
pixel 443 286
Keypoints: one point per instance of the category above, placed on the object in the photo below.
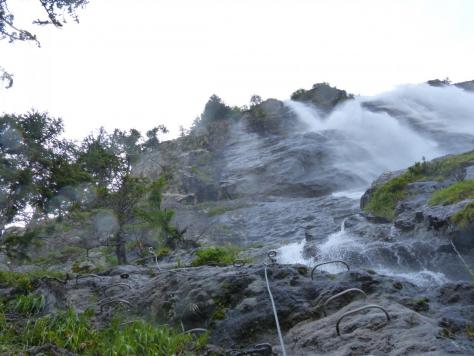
pixel 239 263
pixel 105 289
pixel 328 262
pixel 350 312
pixel 55 279
pixel 196 331
pixel 80 276
pixel 115 301
pixel 341 294
pixel 272 256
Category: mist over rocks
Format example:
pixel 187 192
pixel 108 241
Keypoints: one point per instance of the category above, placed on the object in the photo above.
pixel 469 85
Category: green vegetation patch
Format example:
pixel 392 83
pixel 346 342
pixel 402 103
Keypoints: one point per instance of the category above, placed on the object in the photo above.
pixel 24 281
pixel 443 168
pixel 454 193
pixel 27 304
pixel 163 251
pixel 386 197
pixel 221 256
pixel 465 217
pixel 77 333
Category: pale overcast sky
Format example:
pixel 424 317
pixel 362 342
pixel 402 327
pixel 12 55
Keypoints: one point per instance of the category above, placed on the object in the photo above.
pixel 138 63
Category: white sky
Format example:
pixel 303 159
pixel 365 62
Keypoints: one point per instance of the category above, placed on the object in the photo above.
pixel 139 63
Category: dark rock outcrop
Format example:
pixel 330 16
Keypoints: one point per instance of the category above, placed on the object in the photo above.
pixel 468 86
pixel 233 304
pixel 322 96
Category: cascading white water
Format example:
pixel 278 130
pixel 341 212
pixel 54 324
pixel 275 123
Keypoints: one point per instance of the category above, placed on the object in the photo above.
pixel 367 143
pixel 381 256
pixel 400 128
pixel 449 108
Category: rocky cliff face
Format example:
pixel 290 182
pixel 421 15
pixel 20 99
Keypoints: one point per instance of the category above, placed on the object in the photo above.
pixel 271 179
pixel 276 185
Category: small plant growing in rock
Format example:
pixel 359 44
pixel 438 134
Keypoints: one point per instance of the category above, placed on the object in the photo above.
pixel 27 304
pixel 221 256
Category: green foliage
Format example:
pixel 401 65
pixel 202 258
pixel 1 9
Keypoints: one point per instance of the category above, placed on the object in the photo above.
pixel 98 158
pixel 77 333
pixel 24 281
pixel 321 93
pixel 56 176
pixel 111 260
pixel 18 240
pixel 222 256
pixel 164 251
pixel 142 338
pixel 219 314
pixel 303 270
pixel 31 153
pixel 442 168
pixel 454 193
pixel 464 217
pixel 58 256
pixel 298 94
pixel 470 331
pixel 58 13
pixel 386 196
pixel 157 218
pixel 215 109
pixel 422 301
pixel 27 304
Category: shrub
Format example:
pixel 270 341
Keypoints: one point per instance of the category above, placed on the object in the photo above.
pixel 221 256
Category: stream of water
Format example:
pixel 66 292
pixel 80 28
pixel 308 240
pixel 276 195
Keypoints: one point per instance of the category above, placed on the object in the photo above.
pixel 410 124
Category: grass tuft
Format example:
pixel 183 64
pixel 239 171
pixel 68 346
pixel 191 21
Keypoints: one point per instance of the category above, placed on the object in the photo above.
pixel 454 193
pixel 27 304
pixel 464 217
pixel 222 256
pixel 385 198
pixel 77 333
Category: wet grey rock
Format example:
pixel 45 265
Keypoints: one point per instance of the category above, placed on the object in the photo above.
pixel 233 304
pixel 469 173
pixel 468 86
pixel 263 183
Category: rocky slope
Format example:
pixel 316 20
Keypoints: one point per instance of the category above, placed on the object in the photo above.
pixel 268 180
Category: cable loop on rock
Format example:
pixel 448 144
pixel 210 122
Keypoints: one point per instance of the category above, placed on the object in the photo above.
pixel 351 312
pixel 80 276
pixel 328 262
pixel 106 288
pixel 114 301
pixel 196 331
pixel 324 306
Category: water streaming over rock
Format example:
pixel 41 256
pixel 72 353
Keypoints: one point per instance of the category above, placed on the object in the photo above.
pixel 374 135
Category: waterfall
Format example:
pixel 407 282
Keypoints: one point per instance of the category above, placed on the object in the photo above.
pixel 368 136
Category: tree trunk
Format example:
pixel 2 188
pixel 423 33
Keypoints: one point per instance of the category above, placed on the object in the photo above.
pixel 120 249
